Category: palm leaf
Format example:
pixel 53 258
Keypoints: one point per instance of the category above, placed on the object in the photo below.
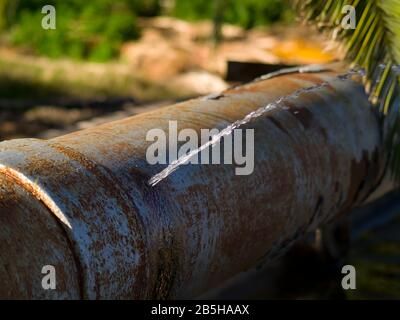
pixel 373 45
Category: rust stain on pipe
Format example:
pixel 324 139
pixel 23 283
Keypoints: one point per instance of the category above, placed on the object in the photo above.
pixel 110 235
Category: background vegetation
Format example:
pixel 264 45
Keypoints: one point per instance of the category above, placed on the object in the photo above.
pixel 246 13
pixel 95 30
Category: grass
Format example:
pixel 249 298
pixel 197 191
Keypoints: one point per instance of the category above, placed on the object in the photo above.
pixel 27 78
pixel 375 280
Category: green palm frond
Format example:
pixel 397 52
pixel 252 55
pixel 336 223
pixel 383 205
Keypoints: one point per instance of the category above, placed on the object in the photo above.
pixel 373 45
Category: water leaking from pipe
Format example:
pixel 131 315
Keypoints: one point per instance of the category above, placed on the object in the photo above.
pixel 252 115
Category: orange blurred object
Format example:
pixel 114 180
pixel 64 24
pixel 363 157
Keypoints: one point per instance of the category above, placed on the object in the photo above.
pixel 299 51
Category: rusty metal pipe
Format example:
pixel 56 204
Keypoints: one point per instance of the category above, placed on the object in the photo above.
pixel 81 202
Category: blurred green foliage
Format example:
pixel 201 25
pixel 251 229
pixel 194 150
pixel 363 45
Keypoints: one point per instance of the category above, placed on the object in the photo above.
pixel 94 30
pixel 246 13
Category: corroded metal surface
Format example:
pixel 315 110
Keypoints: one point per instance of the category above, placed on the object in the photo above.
pixel 316 156
pixel 31 238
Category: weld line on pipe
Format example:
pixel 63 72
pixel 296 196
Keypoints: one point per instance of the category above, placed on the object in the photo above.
pixel 35 189
pixel 38 193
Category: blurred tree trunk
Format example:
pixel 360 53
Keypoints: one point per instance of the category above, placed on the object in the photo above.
pixel 8 10
pixel 3 14
pixel 219 10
